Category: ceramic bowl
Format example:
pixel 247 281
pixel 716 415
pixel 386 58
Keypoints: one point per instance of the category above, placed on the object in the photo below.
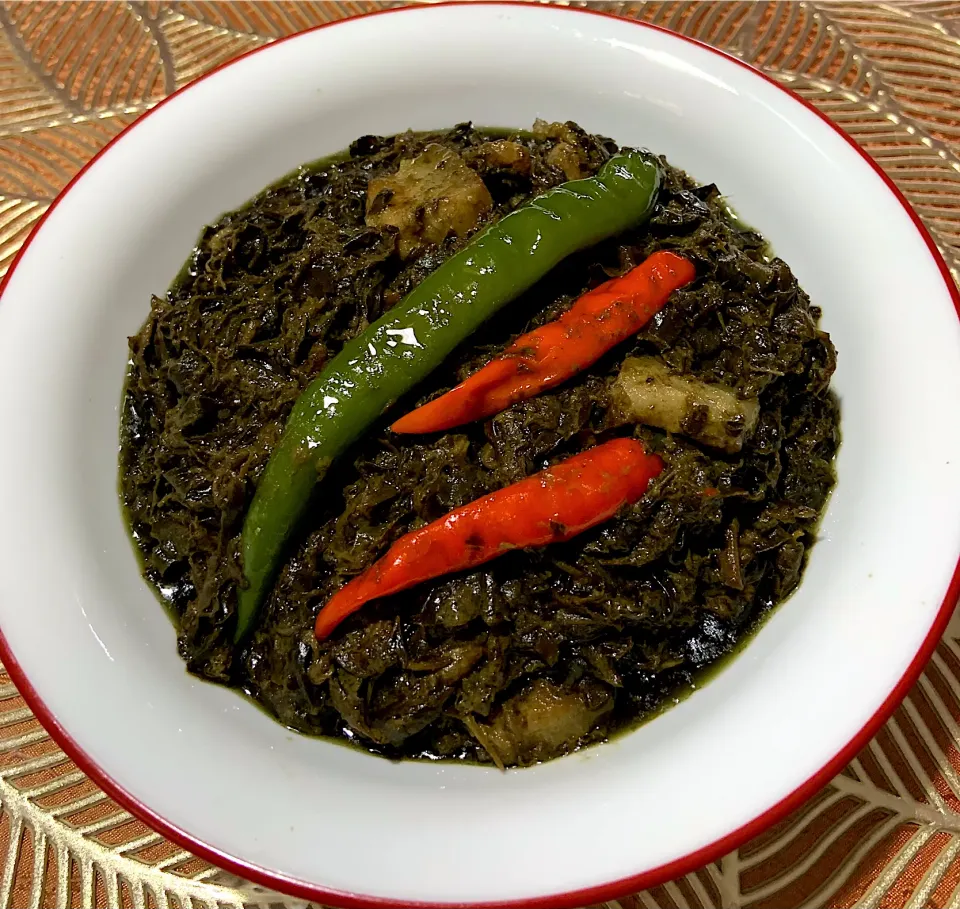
pixel 95 654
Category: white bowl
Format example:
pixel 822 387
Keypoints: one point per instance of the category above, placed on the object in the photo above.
pixel 95 656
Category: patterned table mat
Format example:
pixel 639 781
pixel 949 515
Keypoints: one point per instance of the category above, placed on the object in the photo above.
pixel 886 831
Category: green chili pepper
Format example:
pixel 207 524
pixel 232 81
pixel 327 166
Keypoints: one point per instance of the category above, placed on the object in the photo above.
pixel 407 343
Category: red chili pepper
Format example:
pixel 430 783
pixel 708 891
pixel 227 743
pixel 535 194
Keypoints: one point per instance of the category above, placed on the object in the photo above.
pixel 548 507
pixel 549 355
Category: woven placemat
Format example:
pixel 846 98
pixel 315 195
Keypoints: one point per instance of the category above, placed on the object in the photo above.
pixel 884 833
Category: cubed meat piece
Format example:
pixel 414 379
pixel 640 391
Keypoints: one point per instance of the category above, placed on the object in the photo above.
pixel 565 132
pixel 542 721
pixel 565 157
pixel 503 155
pixel 569 155
pixel 713 414
pixel 429 198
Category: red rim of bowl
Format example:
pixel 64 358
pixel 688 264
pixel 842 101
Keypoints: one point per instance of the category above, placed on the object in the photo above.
pixel 588 895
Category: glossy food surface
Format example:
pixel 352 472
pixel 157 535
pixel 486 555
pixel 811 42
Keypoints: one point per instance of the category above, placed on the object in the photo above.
pixel 415 336
pixel 277 293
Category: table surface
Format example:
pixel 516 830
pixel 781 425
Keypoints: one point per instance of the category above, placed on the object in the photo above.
pixel 885 832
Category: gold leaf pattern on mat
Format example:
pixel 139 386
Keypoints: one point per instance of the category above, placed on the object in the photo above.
pixel 88 55
pixel 24 98
pixel 929 176
pixel 197 47
pixel 886 832
pixel 39 162
pixel 797 39
pixel 714 23
pixel 864 75
pixel 17 217
pixel 922 87
pixel 272 20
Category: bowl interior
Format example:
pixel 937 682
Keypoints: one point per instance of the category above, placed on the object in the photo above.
pixel 101 653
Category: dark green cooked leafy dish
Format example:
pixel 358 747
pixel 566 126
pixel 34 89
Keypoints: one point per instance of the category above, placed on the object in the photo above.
pixel 545 649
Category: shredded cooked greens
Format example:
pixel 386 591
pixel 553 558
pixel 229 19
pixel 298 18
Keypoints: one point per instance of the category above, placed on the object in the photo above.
pixel 540 651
